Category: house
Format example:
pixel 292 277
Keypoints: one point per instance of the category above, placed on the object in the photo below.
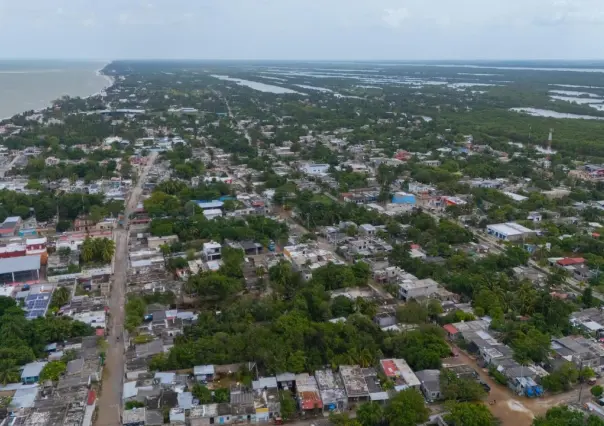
pixel 429 384
pixel 207 414
pixel 570 261
pixel 204 373
pixel 451 331
pixel 510 231
pixel 286 380
pixel 535 217
pixel 9 227
pixel 212 214
pixel 212 251
pixel 376 392
pixel 315 169
pixel 333 393
pixel 582 272
pixel 134 417
pixel 409 289
pixel 354 383
pixel 83 224
pixel 31 372
pixel 400 373
pixel 307 392
pixel 266 399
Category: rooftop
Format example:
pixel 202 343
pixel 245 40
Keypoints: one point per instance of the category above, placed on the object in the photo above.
pixel 354 381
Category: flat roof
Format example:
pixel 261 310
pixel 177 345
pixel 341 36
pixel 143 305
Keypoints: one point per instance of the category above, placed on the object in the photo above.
pixel 210 204
pixel 510 228
pixel 19 264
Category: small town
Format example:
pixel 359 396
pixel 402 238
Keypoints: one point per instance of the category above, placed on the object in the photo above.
pixel 185 248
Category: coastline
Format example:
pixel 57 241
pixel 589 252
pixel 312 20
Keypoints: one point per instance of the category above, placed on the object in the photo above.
pixel 109 82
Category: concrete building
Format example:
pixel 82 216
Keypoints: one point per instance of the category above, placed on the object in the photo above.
pixel 354 383
pixel 509 231
pixel 429 384
pixel 212 250
pixel 333 393
pixel 409 289
pixel 399 371
pixel 315 169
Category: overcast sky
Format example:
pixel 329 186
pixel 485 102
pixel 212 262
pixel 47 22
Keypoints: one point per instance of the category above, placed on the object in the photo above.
pixel 303 29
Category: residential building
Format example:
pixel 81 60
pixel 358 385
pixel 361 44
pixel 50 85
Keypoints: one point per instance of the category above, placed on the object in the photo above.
pixel 333 393
pixel 400 373
pixel 354 383
pixel 31 372
pixel 417 289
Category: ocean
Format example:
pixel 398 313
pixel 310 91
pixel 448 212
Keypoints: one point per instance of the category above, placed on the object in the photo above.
pixel 27 85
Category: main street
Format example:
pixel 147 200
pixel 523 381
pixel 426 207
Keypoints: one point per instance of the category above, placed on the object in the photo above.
pixel 110 400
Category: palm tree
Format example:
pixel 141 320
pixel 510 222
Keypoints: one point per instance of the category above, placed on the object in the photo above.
pixel 9 372
pixel 107 250
pixel 60 297
pixel 87 251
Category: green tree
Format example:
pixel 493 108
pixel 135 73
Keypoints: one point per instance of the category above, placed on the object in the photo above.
pixel 560 416
pixel 342 306
pixel 469 414
pixel 222 395
pixel 407 408
pixel 597 391
pixel 460 389
pixel 9 372
pixel 370 414
pixel 202 393
pixel 60 297
pixel 288 405
pixel 52 371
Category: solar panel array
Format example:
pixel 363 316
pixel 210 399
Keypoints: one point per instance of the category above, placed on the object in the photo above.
pixel 36 305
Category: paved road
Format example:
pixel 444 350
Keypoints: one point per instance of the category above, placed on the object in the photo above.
pixel 240 125
pixel 110 400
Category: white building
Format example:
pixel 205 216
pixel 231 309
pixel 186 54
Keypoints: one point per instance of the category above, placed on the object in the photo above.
pixel 410 289
pixel 212 213
pixel 212 250
pixel 315 169
pixel 510 231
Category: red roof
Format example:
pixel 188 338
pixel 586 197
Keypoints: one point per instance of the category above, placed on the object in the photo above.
pixel 91 397
pixel 389 367
pixel 100 332
pixel 310 400
pixel 595 235
pixel 450 328
pixel 416 246
pixel 567 261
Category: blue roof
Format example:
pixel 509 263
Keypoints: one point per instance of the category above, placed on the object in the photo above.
pixel 33 369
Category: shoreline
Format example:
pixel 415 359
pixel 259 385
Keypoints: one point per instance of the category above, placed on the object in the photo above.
pixel 109 82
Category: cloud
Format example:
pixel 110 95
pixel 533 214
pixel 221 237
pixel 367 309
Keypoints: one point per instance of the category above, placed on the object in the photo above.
pixel 294 29
pixel 395 17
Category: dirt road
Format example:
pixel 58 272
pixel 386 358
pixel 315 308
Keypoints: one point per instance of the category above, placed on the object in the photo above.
pixel 110 400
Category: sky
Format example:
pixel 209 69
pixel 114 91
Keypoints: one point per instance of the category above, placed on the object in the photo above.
pixel 302 29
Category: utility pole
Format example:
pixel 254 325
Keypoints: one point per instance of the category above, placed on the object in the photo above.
pixel 582 380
